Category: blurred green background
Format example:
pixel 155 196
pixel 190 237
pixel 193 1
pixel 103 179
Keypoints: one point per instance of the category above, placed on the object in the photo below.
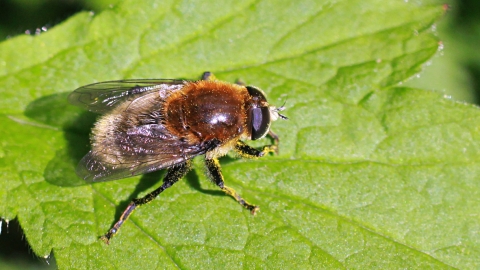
pixel 454 71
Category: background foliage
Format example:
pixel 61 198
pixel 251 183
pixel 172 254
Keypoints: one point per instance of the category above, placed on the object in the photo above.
pixel 368 176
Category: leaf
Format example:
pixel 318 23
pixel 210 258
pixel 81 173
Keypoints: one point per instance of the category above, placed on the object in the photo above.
pixel 370 175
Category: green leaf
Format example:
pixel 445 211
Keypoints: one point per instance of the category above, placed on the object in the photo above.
pixel 369 175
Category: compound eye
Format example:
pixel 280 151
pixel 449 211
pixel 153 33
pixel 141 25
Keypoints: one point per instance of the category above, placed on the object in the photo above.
pixel 260 118
pixel 256 93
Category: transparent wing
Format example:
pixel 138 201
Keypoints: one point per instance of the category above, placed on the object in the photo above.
pixel 103 96
pixel 154 149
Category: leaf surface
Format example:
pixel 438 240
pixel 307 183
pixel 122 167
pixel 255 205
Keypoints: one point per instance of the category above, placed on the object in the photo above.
pixel 370 175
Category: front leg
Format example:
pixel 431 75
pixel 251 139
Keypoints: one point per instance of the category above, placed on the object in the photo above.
pixel 247 151
pixel 276 140
pixel 215 174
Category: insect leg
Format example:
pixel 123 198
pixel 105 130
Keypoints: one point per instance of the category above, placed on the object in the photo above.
pixel 240 82
pixel 173 175
pixel 247 151
pixel 208 76
pixel 215 174
pixel 275 137
pixel 276 140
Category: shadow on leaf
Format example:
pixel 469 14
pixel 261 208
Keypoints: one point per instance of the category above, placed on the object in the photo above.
pixel 54 110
